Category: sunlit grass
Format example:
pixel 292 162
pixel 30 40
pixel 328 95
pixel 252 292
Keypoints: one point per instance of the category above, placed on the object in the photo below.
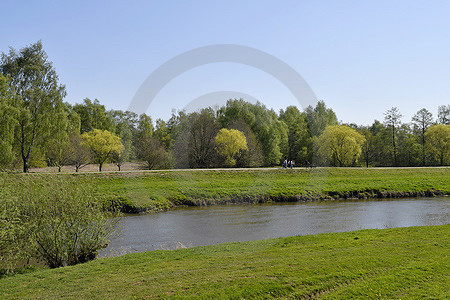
pixel 164 189
pixel 401 263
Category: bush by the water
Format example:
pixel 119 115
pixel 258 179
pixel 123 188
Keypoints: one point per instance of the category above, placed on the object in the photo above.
pixel 58 223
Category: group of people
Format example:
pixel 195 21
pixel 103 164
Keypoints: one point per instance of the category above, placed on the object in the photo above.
pixel 288 164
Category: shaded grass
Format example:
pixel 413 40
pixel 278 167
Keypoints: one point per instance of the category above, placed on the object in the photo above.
pixel 161 190
pixel 370 264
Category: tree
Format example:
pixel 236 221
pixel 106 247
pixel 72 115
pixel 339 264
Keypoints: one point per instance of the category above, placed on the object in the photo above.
pixel 422 120
pixel 79 155
pixel 444 114
pixel 368 146
pixel 253 156
pixel 102 144
pixel 162 132
pixel 93 115
pixel 123 124
pixel 40 107
pixel 392 120
pixel 8 121
pixel 341 144
pixel 319 118
pixel 229 143
pixel 297 132
pixel 145 126
pixel 439 142
pixel 150 150
pixel 201 142
pixel 271 133
pixel 57 149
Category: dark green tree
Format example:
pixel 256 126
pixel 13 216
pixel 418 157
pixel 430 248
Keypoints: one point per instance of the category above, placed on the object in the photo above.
pixel 93 115
pixel 297 132
pixel 392 119
pixel 319 117
pixel 421 121
pixel 444 114
pixel 201 139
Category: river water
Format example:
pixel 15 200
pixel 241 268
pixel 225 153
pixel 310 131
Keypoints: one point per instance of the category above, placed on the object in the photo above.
pixel 196 226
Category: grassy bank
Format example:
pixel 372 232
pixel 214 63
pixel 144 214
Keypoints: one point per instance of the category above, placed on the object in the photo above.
pixel 401 263
pixel 137 191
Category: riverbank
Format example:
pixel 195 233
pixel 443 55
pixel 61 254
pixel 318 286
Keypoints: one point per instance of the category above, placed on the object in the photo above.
pixel 384 264
pixel 140 191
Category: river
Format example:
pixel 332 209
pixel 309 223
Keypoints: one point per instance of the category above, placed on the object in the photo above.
pixel 196 226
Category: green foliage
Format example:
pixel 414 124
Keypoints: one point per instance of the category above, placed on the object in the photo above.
pixel 438 137
pixel 200 138
pixel 14 232
pixel 40 95
pixel 93 115
pixel 400 263
pixel 392 119
pixel 79 154
pixel 271 133
pixel 229 143
pixel 8 121
pixel 58 221
pixel 162 132
pixel 253 157
pixel 444 114
pixel 102 144
pixel 150 150
pixel 319 118
pixel 341 145
pixel 421 121
pixel 297 133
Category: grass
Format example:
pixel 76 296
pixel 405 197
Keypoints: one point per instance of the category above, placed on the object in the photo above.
pixel 161 190
pixel 400 263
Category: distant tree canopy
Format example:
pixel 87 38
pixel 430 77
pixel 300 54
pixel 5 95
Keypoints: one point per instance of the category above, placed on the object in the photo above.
pixel 341 145
pixel 439 142
pixel 38 129
pixel 103 145
pixel 229 143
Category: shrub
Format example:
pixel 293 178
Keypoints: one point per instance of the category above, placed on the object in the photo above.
pixel 65 223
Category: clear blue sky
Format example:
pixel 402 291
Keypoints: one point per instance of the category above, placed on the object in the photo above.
pixel 360 57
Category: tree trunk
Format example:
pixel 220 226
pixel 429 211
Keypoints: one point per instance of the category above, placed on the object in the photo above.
pixel 59 169
pixel 100 167
pixel 25 164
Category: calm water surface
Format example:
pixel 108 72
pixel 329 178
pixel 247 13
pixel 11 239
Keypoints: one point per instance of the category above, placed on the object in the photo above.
pixel 198 226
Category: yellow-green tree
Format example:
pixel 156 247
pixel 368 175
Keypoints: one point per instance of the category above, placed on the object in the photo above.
pixel 229 143
pixel 341 145
pixel 438 137
pixel 102 144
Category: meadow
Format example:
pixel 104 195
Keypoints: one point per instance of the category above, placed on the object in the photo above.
pixel 138 191
pixel 400 263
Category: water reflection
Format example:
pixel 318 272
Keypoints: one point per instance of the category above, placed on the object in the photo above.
pixel 218 224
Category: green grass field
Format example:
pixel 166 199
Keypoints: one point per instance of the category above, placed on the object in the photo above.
pixel 401 263
pixel 162 190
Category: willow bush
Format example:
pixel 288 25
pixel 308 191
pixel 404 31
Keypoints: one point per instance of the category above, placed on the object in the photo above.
pixel 59 222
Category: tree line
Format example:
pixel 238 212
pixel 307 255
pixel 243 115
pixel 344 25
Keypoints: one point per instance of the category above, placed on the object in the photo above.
pixel 37 129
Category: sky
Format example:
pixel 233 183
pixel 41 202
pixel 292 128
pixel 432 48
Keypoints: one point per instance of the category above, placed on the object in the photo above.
pixel 360 57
